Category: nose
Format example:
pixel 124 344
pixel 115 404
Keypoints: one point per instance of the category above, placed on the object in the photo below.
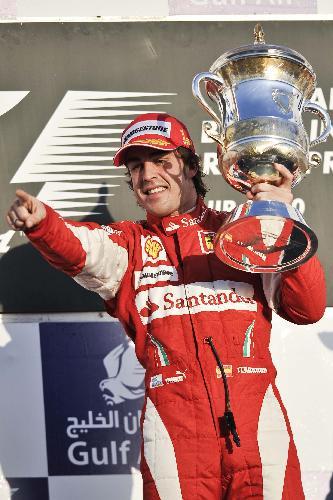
pixel 149 170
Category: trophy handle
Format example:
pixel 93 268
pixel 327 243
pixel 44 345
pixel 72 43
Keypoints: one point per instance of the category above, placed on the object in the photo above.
pixel 324 116
pixel 198 95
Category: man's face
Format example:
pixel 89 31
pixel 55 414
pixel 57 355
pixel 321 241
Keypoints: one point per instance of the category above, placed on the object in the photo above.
pixel 162 184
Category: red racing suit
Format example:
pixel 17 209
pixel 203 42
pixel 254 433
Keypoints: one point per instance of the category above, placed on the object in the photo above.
pixel 161 278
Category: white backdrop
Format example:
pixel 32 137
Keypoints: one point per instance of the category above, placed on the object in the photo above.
pixel 159 8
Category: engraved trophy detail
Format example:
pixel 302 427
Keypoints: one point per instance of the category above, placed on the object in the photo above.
pixel 260 92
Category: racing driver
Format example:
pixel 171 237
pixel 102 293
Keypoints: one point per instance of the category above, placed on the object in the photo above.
pixel 213 424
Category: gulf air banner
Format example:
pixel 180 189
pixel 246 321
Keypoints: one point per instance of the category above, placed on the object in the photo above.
pixel 232 7
pixel 66 93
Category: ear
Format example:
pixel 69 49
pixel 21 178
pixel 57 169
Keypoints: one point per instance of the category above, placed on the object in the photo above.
pixel 191 171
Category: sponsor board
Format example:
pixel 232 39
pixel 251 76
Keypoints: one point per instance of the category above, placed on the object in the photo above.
pixel 93 394
pixel 22 488
pixel 243 7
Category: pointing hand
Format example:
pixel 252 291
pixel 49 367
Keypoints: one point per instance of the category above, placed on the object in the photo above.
pixel 26 212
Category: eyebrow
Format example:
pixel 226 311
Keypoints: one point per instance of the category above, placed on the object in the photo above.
pixel 153 156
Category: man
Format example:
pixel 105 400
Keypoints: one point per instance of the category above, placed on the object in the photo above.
pixel 213 422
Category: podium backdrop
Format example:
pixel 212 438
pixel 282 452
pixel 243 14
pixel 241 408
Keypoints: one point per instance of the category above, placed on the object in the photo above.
pixel 67 91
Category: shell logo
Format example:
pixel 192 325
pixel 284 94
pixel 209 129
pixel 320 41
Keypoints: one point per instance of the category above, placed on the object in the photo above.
pixel 153 248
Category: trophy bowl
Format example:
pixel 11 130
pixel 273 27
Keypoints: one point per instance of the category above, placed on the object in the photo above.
pixel 260 92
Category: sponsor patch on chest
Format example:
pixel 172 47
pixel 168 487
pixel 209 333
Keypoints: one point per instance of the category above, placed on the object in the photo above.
pixel 206 240
pixel 227 371
pixel 151 275
pixel 215 296
pixel 152 249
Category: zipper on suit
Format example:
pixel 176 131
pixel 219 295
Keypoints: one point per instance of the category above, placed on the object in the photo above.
pixel 228 415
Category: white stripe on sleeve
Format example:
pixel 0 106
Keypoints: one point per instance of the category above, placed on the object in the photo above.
pixel 106 262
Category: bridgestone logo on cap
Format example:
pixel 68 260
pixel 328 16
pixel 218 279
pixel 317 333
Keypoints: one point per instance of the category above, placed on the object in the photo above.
pixel 148 127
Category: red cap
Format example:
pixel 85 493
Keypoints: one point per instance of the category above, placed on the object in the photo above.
pixel 154 130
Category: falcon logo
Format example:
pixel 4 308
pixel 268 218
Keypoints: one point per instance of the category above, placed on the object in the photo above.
pixel 125 376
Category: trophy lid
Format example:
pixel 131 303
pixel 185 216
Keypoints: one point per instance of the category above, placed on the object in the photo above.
pixel 258 49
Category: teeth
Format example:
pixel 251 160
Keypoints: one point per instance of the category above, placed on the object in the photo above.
pixel 156 190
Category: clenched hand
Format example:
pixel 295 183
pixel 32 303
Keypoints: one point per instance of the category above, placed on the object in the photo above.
pixel 26 212
pixel 281 191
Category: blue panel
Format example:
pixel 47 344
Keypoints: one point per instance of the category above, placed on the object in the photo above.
pixel 91 428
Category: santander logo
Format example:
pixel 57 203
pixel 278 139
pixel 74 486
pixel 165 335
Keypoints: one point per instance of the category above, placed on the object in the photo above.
pixel 219 295
pixel 149 309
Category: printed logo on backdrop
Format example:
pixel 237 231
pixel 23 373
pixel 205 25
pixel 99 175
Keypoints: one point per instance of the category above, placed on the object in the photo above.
pixel 32 488
pixel 73 155
pixel 93 394
pixel 222 7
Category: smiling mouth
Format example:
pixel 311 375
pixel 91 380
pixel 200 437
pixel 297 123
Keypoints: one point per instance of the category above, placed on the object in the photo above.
pixel 155 190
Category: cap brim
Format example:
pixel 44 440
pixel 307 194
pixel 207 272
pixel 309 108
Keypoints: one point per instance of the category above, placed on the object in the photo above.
pixel 118 159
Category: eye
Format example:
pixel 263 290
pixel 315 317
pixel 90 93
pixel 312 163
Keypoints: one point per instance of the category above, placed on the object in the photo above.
pixel 161 162
pixel 133 166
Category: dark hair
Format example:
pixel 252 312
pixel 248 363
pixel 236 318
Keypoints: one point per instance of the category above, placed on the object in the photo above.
pixel 192 161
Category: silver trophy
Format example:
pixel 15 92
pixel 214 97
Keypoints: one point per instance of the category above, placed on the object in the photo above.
pixel 260 92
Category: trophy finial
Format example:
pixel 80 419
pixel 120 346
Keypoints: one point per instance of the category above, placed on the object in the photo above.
pixel 259 35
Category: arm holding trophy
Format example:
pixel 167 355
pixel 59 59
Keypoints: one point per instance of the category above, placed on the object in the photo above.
pixel 261 91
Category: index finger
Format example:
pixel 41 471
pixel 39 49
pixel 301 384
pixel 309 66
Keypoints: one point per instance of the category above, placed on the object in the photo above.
pixel 23 196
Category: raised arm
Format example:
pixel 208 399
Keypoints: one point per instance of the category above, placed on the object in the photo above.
pixel 96 258
pixel 298 295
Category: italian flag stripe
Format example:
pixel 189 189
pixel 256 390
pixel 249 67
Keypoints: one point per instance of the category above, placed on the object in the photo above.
pixel 247 341
pixel 161 352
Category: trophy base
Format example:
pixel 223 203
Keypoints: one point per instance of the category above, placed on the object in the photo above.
pixel 265 237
